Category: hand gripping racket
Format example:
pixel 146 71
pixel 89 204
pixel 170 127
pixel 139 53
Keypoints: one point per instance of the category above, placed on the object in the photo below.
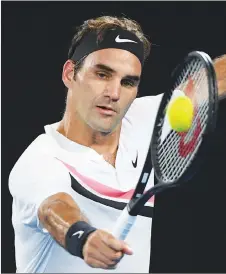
pixel 175 156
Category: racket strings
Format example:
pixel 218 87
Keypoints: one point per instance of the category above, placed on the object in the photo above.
pixel 178 166
pixel 176 142
pixel 181 80
pixel 188 134
pixel 170 141
pixel 183 160
pixel 176 152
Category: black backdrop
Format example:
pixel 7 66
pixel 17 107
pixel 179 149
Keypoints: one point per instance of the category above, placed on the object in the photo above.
pixel 35 40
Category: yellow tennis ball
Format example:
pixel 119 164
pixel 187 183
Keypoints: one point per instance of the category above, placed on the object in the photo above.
pixel 180 112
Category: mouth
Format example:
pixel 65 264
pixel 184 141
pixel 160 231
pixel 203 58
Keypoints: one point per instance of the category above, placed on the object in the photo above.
pixel 106 110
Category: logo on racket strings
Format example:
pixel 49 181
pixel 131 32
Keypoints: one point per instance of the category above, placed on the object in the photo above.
pixel 185 148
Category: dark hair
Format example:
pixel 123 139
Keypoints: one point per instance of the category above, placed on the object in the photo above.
pixel 103 23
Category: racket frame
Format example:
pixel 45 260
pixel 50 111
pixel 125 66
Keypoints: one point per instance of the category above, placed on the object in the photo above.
pixel 130 212
pixel 211 123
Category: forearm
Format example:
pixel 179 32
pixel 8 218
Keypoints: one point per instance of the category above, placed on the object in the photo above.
pixel 62 217
pixel 220 69
pixel 57 213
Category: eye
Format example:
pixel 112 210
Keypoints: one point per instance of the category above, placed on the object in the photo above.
pixel 102 75
pixel 128 83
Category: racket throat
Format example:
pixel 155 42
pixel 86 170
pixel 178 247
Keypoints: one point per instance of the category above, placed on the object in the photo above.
pixel 130 207
pixel 137 204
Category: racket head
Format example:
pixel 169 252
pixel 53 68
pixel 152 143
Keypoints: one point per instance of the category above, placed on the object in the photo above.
pixel 176 156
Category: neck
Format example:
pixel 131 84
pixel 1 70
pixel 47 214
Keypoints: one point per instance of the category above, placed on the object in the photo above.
pixel 79 132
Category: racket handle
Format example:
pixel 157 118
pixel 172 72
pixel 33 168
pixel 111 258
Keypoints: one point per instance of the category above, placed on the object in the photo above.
pixel 123 224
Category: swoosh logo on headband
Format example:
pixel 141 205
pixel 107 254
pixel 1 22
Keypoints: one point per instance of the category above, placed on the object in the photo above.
pixel 119 40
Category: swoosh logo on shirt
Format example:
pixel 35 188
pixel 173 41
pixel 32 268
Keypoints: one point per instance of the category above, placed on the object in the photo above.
pixel 135 163
pixel 120 40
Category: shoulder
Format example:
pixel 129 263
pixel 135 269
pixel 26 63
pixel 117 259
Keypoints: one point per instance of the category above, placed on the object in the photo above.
pixel 142 113
pixel 143 106
pixel 37 166
pixel 37 154
pixel 147 102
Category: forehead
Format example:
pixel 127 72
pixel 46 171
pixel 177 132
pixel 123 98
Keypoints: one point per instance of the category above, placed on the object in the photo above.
pixel 118 59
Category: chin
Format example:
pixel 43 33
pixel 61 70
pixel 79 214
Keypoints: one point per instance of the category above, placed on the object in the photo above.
pixel 106 127
pixel 103 129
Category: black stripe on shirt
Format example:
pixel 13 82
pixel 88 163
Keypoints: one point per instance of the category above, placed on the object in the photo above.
pixel 146 211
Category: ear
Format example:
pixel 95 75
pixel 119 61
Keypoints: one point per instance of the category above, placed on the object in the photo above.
pixel 68 73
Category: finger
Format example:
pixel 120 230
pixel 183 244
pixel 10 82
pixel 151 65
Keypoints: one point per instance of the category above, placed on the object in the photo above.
pixel 112 255
pixel 95 243
pixel 95 263
pixel 99 254
pixel 112 242
pixel 119 259
pixel 127 249
pixel 112 267
pixel 120 246
pixel 116 244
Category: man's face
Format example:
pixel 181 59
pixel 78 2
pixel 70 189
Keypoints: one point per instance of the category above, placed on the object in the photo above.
pixel 104 88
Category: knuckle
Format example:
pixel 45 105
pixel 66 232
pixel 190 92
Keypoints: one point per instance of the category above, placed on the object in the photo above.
pixel 112 257
pixel 117 256
pixel 91 237
pixel 109 261
pixel 89 253
pixel 110 237
pixel 97 235
pixel 89 261
pixel 92 240
pixel 105 234
pixel 101 234
pixel 110 241
pixel 104 266
pixel 112 263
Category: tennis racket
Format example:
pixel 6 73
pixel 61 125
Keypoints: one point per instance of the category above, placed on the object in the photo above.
pixel 176 156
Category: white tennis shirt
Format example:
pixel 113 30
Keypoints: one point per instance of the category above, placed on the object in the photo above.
pixel 52 163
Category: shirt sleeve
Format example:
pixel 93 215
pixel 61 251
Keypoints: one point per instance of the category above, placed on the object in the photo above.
pixel 142 113
pixel 145 106
pixel 34 178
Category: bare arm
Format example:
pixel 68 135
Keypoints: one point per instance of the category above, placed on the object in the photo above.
pixel 100 250
pixel 57 213
pixel 220 69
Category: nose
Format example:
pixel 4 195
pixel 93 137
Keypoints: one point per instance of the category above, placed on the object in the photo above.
pixel 113 90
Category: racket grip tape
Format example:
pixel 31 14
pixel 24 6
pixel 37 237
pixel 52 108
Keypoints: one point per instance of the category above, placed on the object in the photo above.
pixel 123 225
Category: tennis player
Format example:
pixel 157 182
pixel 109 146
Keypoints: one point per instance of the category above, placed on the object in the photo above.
pixel 71 184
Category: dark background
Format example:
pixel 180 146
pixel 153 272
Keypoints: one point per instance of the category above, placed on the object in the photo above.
pixel 35 41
